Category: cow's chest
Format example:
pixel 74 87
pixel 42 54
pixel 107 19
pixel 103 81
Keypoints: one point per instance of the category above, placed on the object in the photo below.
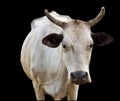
pixel 57 89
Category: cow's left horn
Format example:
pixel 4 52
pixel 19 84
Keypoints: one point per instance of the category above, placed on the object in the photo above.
pixel 53 19
pixel 98 17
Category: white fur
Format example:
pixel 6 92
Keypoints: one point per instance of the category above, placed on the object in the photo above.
pixel 45 66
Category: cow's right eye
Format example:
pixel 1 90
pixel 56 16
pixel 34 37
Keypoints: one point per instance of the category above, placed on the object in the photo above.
pixel 64 46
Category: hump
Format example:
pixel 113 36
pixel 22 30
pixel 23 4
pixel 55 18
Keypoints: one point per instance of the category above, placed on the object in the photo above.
pixel 38 21
pixel 64 18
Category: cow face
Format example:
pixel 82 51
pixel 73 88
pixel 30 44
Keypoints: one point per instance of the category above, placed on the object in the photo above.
pixel 76 43
pixel 77 46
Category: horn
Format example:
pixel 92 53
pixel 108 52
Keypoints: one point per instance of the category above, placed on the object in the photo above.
pixel 98 17
pixel 53 19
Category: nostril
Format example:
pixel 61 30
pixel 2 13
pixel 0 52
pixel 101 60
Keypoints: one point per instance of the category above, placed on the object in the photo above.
pixel 79 75
pixel 73 75
pixel 82 74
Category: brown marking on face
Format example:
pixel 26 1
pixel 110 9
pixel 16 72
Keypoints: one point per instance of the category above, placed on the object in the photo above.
pixel 77 28
pixel 77 22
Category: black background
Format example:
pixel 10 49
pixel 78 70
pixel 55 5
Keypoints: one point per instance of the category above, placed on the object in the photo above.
pixel 104 66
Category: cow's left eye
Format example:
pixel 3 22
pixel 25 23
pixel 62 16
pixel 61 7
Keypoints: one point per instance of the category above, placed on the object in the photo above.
pixel 90 46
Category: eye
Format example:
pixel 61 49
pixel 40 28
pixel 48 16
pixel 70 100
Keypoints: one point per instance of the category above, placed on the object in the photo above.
pixel 91 45
pixel 64 46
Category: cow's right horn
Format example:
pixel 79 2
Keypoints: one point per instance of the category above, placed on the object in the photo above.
pixel 53 19
pixel 98 17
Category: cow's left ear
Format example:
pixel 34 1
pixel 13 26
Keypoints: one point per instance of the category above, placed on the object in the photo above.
pixel 101 38
pixel 52 40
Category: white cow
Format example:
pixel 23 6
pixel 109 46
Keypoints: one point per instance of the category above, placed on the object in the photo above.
pixel 56 54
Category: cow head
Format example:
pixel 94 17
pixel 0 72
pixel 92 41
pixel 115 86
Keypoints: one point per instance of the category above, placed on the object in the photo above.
pixel 77 42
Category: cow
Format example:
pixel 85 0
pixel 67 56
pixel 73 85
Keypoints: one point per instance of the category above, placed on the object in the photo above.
pixel 56 54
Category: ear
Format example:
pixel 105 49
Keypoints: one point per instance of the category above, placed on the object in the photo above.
pixel 101 38
pixel 52 40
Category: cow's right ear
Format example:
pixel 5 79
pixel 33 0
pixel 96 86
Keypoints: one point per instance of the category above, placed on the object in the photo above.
pixel 52 40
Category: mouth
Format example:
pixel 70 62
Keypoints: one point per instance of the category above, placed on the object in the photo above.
pixel 78 81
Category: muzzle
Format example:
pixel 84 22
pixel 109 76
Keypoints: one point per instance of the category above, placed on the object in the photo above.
pixel 79 77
